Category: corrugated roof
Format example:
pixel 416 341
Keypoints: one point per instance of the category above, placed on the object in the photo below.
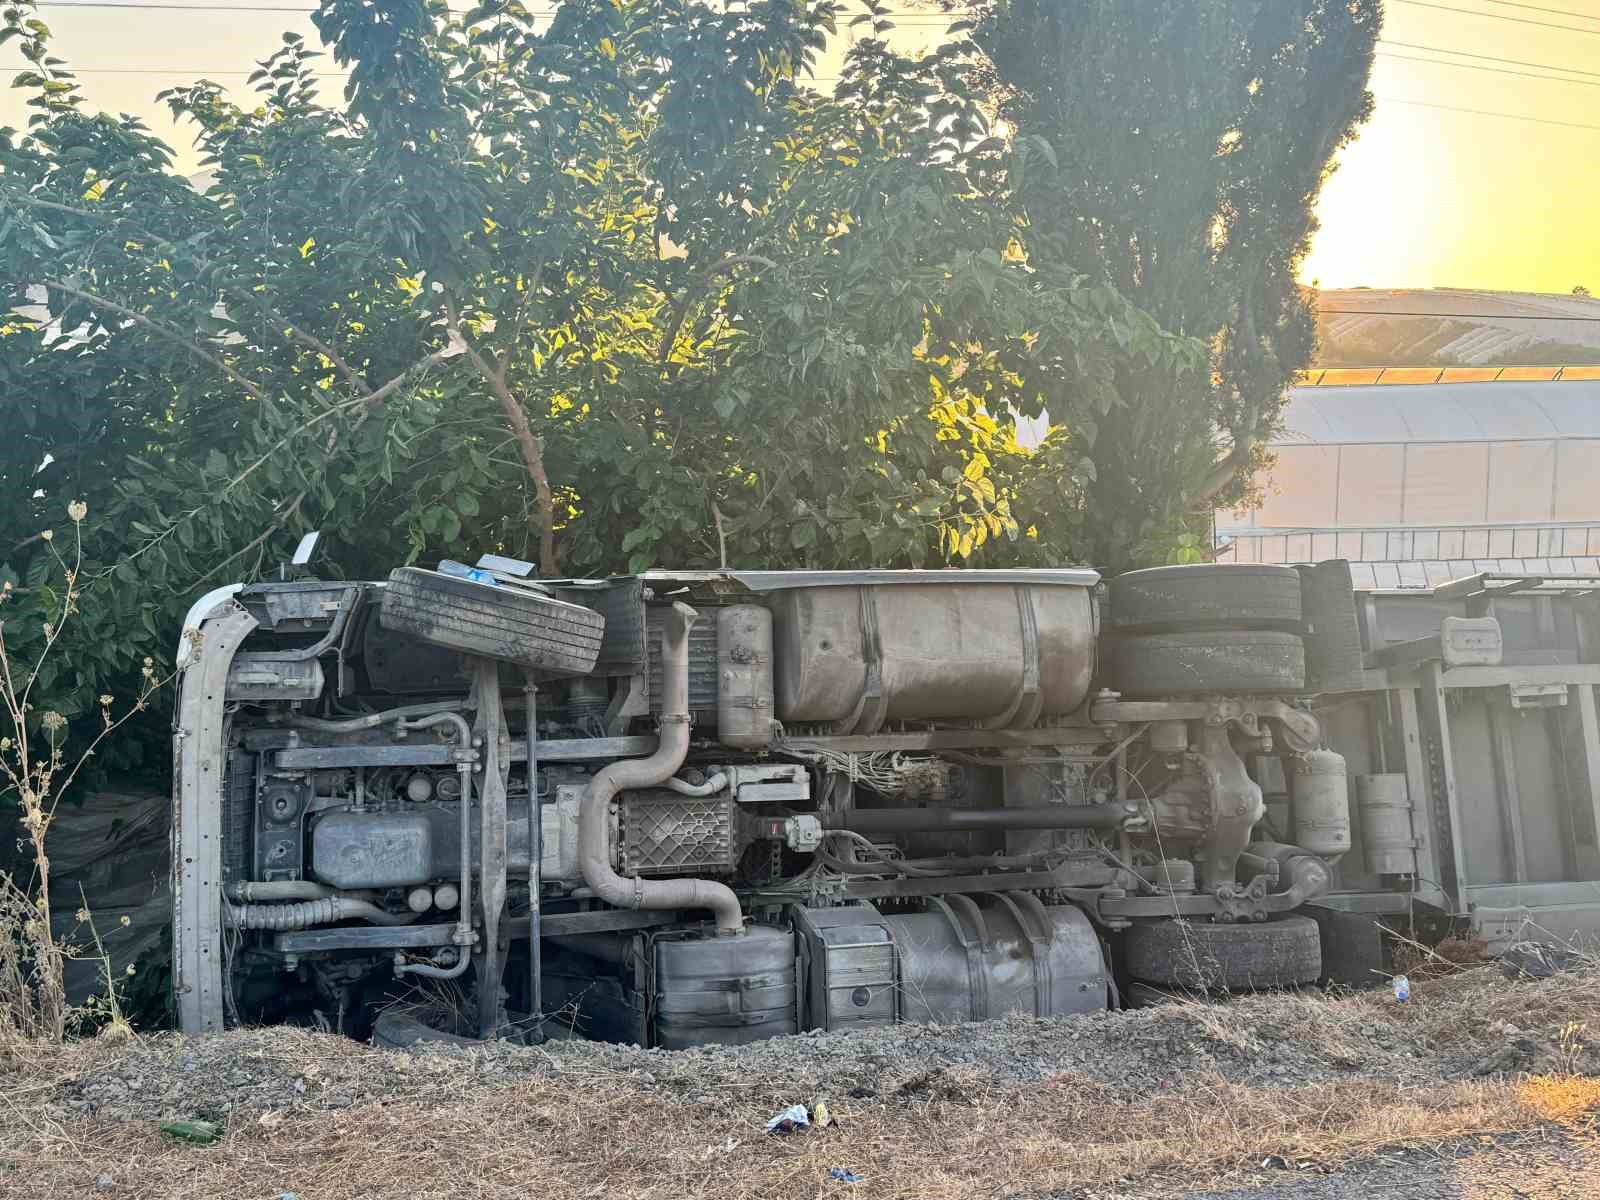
pixel 1443 412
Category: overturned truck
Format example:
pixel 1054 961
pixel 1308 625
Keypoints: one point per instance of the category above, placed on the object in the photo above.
pixel 691 807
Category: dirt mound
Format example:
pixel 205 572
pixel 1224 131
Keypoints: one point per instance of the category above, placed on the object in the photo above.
pixel 1008 1107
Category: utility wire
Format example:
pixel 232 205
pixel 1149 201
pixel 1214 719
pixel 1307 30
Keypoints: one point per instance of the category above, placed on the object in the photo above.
pixel 1374 312
pixel 1439 62
pixel 1515 62
pixel 1473 12
pixel 1488 58
pixel 821 79
pixel 198 73
pixel 1565 12
pixel 1484 112
pixel 910 17
pixel 183 71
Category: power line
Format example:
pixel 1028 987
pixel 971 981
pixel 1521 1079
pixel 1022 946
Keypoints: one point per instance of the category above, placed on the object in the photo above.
pixel 1439 62
pixel 183 71
pixel 1484 112
pixel 1383 42
pixel 272 8
pixel 1374 312
pixel 1565 12
pixel 910 17
pixel 1472 12
pixel 1515 62
pixel 197 72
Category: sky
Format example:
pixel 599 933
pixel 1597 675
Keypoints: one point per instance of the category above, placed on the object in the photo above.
pixel 1502 198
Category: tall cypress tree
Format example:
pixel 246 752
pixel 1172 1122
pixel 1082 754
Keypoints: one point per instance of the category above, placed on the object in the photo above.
pixel 1190 140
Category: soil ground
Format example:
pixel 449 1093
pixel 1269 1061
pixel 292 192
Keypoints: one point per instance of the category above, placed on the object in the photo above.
pixel 1474 1088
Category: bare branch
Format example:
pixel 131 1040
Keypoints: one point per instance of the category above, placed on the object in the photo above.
pixel 367 402
pixel 278 522
pixel 722 537
pixel 159 330
pixel 202 263
pixel 681 309
pixel 527 441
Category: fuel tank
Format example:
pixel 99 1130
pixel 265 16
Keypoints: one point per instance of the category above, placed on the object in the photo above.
pixel 1002 653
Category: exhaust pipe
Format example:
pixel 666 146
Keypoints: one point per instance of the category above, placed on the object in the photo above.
pixel 594 826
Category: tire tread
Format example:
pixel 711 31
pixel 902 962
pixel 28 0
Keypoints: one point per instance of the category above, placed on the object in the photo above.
pixel 534 631
pixel 1282 952
pixel 1206 596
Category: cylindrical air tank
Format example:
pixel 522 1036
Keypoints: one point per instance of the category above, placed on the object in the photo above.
pixel 1319 798
pixel 1386 834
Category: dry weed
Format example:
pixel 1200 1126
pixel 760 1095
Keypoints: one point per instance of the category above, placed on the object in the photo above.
pixel 1566 1099
pixel 949 1138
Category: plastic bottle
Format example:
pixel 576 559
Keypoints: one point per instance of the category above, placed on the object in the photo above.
pixel 1402 987
pixel 450 566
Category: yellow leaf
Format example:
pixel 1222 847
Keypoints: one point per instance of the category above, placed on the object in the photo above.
pixel 608 48
pixel 965 545
pixel 976 466
pixel 986 486
pixel 305 247
pixel 981 532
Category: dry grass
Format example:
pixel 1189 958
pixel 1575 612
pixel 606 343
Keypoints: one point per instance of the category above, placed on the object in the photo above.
pixel 1458 1010
pixel 1447 957
pixel 445 1126
pixel 615 1136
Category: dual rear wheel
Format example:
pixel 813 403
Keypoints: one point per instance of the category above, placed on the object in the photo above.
pixel 1216 627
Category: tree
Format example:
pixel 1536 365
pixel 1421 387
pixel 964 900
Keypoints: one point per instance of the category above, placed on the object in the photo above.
pixel 611 292
pixel 1191 140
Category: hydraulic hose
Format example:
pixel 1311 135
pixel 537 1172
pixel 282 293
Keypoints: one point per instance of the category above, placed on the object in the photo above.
pixel 314 912
pixel 283 889
pixel 371 720
pixel 594 825
pixel 709 788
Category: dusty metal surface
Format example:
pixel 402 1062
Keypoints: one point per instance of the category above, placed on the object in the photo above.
pixel 197 967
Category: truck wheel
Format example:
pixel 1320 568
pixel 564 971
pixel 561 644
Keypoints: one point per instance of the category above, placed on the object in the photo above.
pixel 1217 660
pixel 540 632
pixel 395 1029
pixel 1235 958
pixel 1206 596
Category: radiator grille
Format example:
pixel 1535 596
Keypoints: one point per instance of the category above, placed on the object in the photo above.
pixel 702 664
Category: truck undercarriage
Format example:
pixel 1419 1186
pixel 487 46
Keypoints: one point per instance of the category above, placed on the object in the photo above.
pixel 730 805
